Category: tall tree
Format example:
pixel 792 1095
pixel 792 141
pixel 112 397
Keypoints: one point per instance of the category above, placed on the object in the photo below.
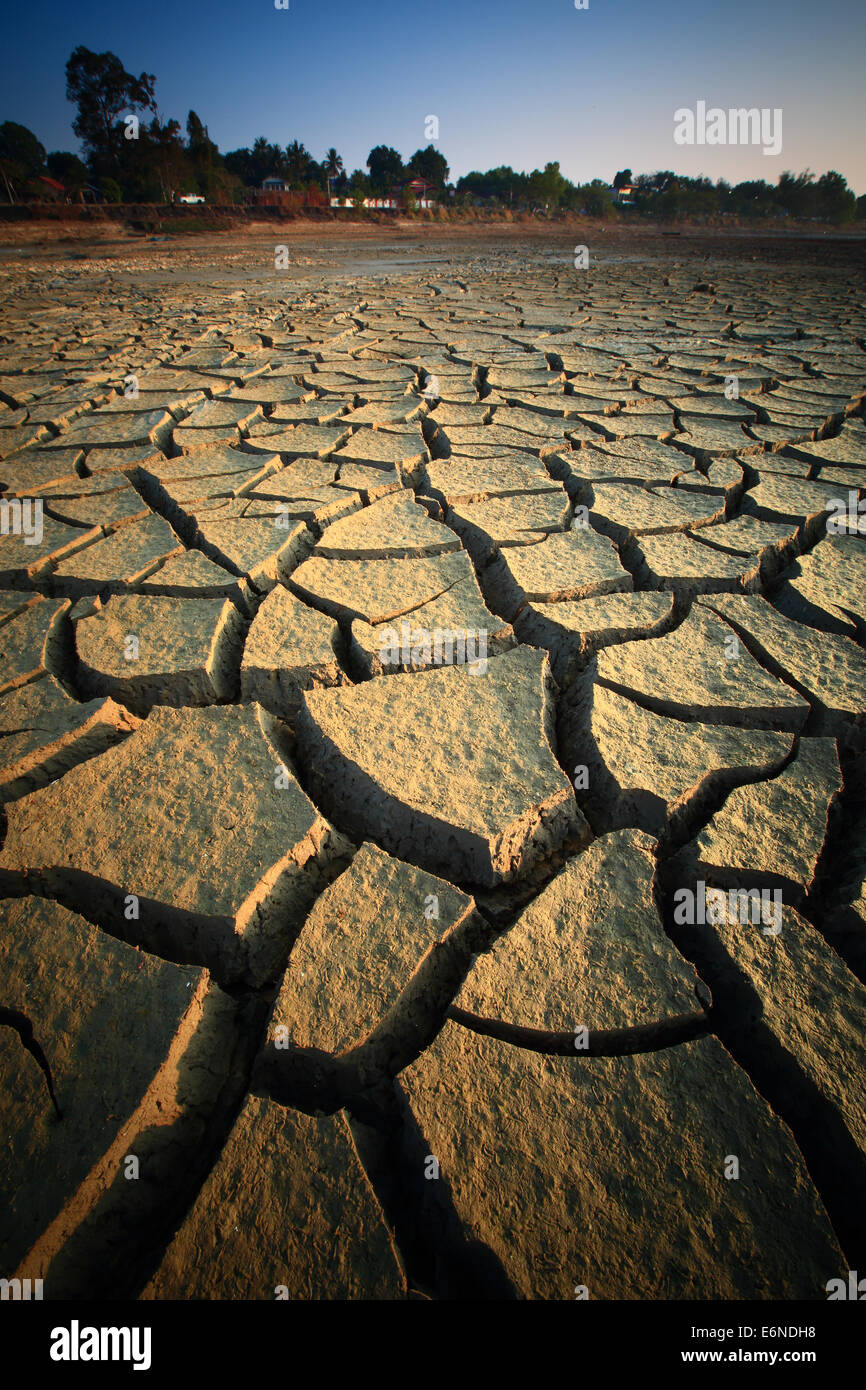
pixel 104 91
pixel 196 132
pixel 266 160
pixel 21 158
pixel 429 164
pixel 386 168
pixel 547 186
pixel 204 156
pixel 835 201
pixel 333 163
pixel 794 192
pixel 299 163
pixel 333 166
pixel 255 165
pixel 160 167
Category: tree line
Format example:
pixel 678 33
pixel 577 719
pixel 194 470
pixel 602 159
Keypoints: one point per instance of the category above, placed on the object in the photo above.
pixel 132 154
pixel 665 194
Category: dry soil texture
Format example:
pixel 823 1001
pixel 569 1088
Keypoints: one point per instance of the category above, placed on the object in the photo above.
pixel 432 700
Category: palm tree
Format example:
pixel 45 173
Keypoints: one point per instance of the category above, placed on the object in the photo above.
pixel 261 160
pixel 298 160
pixel 333 166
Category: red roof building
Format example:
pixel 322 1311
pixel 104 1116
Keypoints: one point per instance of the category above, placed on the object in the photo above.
pixel 54 192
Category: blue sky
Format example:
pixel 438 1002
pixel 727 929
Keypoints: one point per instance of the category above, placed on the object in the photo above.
pixel 513 82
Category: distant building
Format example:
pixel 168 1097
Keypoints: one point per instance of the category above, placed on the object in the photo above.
pixel 274 192
pixel 387 204
pixel 52 191
pixel 419 189
pixel 381 204
pixel 423 192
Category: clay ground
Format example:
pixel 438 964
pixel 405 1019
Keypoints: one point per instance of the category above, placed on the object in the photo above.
pixel 432 706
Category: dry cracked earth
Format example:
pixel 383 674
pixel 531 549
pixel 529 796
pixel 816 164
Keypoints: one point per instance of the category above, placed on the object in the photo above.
pixel 333 968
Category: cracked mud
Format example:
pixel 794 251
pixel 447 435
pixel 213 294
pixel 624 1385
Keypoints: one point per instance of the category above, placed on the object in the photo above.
pixel 433 780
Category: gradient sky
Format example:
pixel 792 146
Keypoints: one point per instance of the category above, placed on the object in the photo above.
pixel 515 82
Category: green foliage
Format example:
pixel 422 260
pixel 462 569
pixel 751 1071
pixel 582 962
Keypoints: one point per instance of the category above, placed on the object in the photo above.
pixel 332 164
pixel 21 158
pixel 111 190
pixel 299 166
pixel 69 170
pixel 836 202
pixel 797 196
pixel 103 92
pixel 664 194
pixel 19 145
pixel 429 164
pixel 386 169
